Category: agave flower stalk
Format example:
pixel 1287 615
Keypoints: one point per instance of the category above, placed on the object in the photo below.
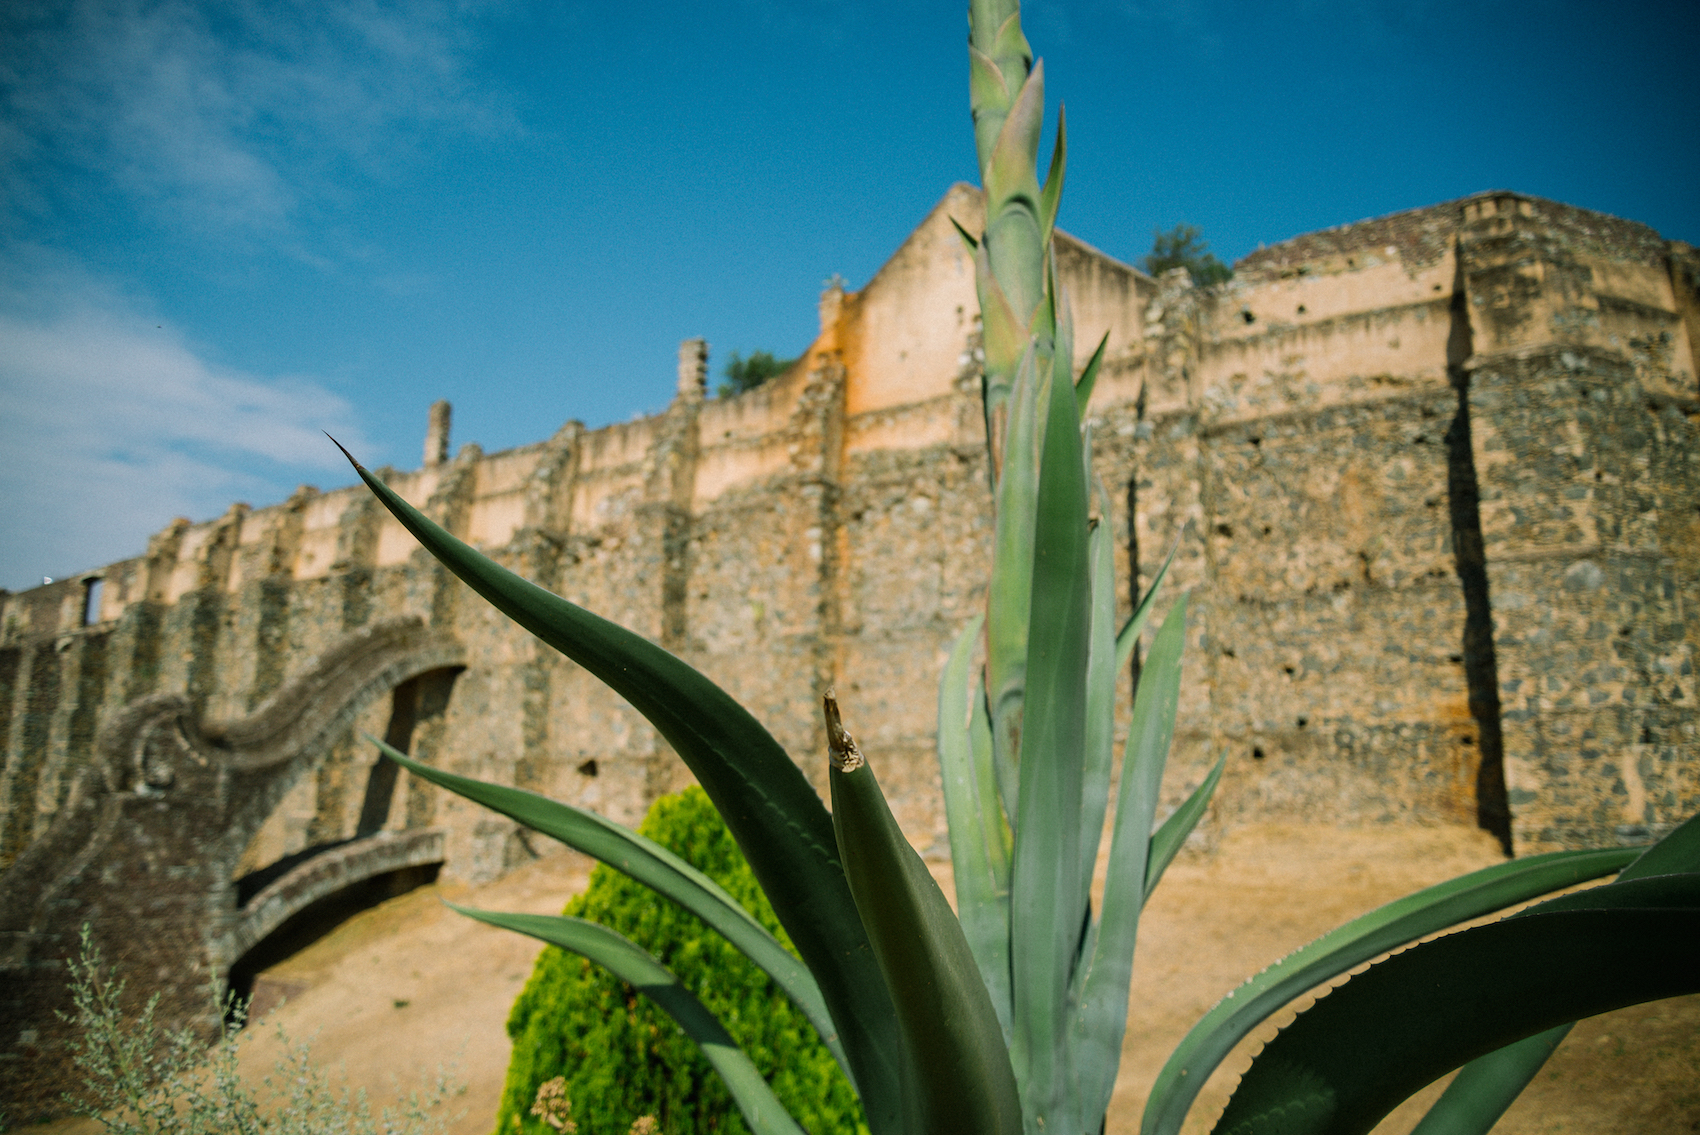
pixel 1026 739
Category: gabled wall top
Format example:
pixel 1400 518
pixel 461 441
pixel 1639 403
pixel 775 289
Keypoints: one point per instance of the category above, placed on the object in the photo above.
pixel 902 337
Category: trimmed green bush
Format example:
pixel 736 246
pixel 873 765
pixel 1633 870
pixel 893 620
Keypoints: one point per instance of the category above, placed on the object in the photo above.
pixel 620 1057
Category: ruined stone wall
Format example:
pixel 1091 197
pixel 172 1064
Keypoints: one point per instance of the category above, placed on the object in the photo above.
pixel 1582 388
pixel 1431 479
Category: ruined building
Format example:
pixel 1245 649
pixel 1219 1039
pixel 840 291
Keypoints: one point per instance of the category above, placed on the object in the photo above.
pixel 1434 479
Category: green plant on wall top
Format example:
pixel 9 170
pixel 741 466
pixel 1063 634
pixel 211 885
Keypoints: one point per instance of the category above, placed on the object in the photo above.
pixel 746 374
pixel 618 1057
pixel 1011 1017
pixel 1184 247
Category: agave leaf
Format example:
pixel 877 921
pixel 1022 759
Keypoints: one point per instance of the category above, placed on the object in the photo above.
pixel 1046 909
pixel 967 238
pixel 994 29
pixel 1385 928
pixel 980 737
pixel 1678 852
pixel 1010 48
pixel 1128 637
pixel 1019 269
pixel 1402 1023
pixel 767 803
pixel 1488 1085
pixel 1050 197
pixel 1168 838
pixel 986 87
pixel 957 1072
pixel 1089 379
pixel 1100 687
pixel 1004 338
pixel 1649 891
pixel 1007 56
pixel 1062 326
pixel 1100 1017
pixel 1014 239
pixel 979 837
pixel 985 17
pixel 637 967
pixel 656 868
pixel 1009 596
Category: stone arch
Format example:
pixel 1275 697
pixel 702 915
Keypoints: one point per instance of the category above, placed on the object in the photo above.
pixel 152 828
pixel 286 904
pixel 364 780
pixel 273 747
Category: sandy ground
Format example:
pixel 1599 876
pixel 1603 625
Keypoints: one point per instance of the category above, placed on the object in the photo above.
pixel 405 987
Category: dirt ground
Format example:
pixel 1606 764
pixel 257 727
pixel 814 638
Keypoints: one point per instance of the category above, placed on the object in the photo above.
pixel 405 987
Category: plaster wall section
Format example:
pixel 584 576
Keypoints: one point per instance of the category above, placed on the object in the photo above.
pixel 742 438
pixel 902 333
pixel 1105 296
pixel 498 507
pixel 1360 325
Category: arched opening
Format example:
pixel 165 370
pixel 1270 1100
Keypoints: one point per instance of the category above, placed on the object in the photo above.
pixel 417 702
pixel 318 918
pixel 294 901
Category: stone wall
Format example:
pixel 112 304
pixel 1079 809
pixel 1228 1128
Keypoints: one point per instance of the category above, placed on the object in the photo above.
pixel 1431 479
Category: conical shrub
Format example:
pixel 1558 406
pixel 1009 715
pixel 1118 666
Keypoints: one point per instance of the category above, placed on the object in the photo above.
pixel 619 1057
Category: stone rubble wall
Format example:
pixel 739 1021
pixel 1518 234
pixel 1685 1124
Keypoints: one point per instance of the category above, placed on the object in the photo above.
pixel 832 527
pixel 1431 480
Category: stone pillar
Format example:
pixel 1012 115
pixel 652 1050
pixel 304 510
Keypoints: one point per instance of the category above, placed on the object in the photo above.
pixel 693 369
pixel 437 434
pixel 831 303
pixel 810 526
pixel 548 505
pixel 1173 340
pixel 664 527
pixel 356 554
pixel 1685 289
pixel 268 598
pixel 450 505
pixel 162 558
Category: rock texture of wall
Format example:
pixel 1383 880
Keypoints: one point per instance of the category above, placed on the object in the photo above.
pixel 1432 479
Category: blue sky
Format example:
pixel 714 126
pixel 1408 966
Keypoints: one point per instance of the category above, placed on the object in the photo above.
pixel 224 227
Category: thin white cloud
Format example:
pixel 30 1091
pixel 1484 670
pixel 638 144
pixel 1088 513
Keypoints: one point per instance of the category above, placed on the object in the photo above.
pixel 111 424
pixel 229 117
pixel 246 124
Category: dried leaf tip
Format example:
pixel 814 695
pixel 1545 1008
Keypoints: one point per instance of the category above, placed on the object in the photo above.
pixel 345 452
pixel 841 747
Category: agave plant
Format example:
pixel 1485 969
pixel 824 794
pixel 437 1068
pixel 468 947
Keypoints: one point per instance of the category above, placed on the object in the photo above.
pixel 1008 1016
pixel 1500 997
